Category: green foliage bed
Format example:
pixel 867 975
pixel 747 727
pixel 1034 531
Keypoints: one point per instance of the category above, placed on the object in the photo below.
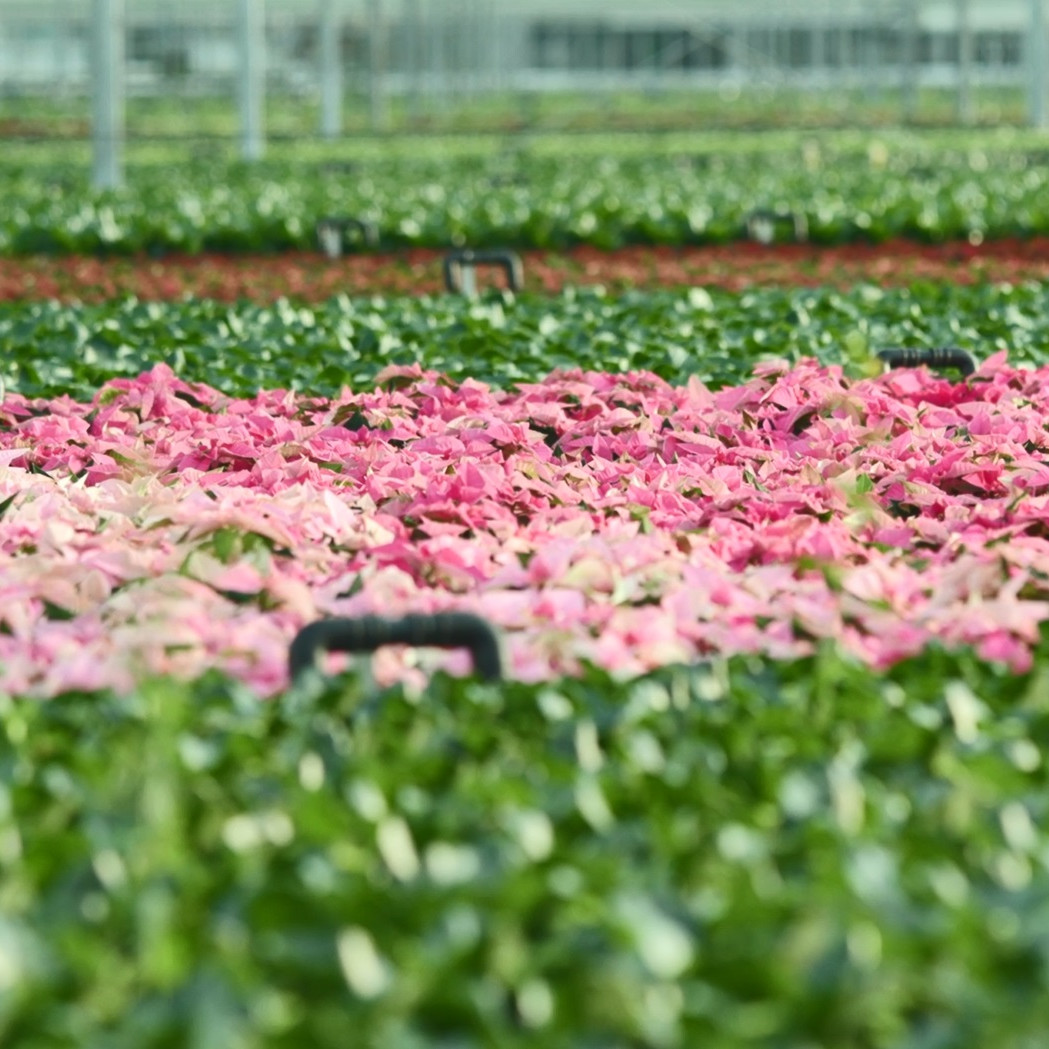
pixel 547 193
pixel 739 855
pixel 48 348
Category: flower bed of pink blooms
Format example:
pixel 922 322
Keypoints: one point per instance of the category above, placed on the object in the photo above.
pixel 610 519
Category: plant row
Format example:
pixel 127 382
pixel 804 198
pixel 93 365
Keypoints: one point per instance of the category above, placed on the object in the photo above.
pixel 606 520
pixel 49 349
pixel 540 199
pixel 752 854
pixel 312 278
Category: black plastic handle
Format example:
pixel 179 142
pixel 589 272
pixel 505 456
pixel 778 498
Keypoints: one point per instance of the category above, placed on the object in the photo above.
pixel 332 231
pixel 935 357
pixel 770 218
pixel 367 633
pixel 508 261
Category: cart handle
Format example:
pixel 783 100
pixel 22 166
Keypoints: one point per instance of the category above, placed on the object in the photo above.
pixel 367 633
pixel 457 261
pixel 936 357
pixel 332 231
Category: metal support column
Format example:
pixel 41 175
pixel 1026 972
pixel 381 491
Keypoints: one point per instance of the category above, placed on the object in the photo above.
pixel 818 52
pixel 107 93
pixel 377 105
pixel 415 49
pixel 911 31
pixel 453 52
pixel 439 59
pixel 496 51
pixel 251 79
pixel 1037 65
pixel 331 68
pixel 965 63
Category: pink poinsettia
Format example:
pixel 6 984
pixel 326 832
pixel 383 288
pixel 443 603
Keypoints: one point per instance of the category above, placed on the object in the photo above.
pixel 596 518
